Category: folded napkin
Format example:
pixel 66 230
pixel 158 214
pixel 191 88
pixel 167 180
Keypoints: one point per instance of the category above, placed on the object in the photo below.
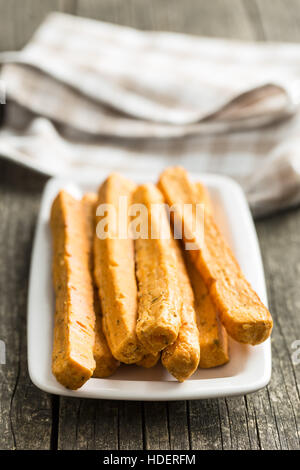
pixel 85 95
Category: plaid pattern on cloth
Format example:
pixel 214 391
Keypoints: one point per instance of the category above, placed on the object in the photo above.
pixel 85 95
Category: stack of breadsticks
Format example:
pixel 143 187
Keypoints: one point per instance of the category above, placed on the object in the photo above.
pixel 141 299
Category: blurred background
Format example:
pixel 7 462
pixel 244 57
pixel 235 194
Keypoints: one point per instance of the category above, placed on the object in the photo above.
pixel 270 20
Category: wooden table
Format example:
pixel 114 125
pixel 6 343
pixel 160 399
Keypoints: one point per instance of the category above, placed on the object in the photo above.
pixel 31 419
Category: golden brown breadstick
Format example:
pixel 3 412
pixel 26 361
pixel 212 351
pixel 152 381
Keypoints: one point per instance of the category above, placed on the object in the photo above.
pixel 203 197
pixel 72 359
pixel 242 313
pixel 159 300
pixel 106 364
pixel 89 203
pixel 213 336
pixel 149 360
pixel 182 357
pixel 115 270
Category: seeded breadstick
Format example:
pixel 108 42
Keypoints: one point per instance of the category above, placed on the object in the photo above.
pixel 242 313
pixel 182 357
pixel 115 270
pixel 106 364
pixel 213 336
pixel 149 360
pixel 72 359
pixel 159 300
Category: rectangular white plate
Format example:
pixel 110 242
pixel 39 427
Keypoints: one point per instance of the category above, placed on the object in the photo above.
pixel 249 368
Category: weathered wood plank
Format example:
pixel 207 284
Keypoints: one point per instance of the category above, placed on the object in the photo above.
pixel 236 427
pixel 280 20
pixel 88 424
pixel 280 245
pixel 277 408
pixel 253 14
pixel 156 426
pixel 264 426
pixel 19 20
pixel 25 412
pixel 214 18
pixel 178 425
pixel 205 426
pixel 131 426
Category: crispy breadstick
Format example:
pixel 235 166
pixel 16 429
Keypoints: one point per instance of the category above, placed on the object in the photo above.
pixel 242 313
pixel 72 359
pixel 106 364
pixel 149 360
pixel 89 203
pixel 182 357
pixel 115 271
pixel 213 336
pixel 159 300
pixel 203 197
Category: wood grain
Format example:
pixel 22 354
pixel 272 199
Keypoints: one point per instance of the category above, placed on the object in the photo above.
pixel 25 412
pixel 19 20
pixel 196 17
pixel 280 20
pixel 30 419
pixel 88 424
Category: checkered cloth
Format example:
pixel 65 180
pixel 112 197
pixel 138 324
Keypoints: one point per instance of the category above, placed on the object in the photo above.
pixel 85 95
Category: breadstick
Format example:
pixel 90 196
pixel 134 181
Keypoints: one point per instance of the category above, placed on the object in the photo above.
pixel 182 357
pixel 89 203
pixel 149 360
pixel 159 300
pixel 115 271
pixel 203 197
pixel 242 313
pixel 106 364
pixel 72 359
pixel 213 336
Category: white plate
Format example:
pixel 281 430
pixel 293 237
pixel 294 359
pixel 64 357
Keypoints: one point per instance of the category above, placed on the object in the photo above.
pixel 249 368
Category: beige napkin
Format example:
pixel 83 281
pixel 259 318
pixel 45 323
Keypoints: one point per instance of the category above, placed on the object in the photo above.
pixel 85 95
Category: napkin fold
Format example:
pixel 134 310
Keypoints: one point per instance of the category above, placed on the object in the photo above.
pixel 85 95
